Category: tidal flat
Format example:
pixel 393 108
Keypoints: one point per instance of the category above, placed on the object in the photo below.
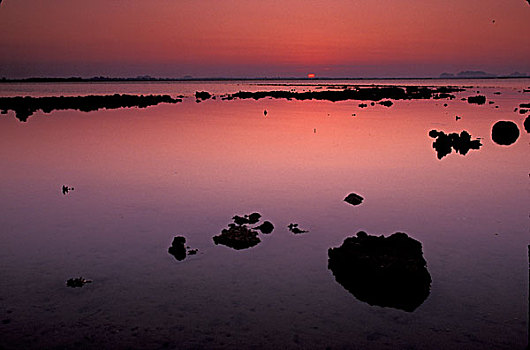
pixel 149 188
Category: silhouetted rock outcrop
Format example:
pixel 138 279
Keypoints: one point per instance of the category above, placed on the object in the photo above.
pixel 372 93
pixel 237 237
pixel 386 103
pixel 479 99
pixel 445 143
pixel 77 282
pixel 178 248
pixel 527 124
pixel 66 189
pixel 504 133
pixel 388 272
pixel 24 107
pixel 202 95
pixel 353 199
pixel 294 229
pixel 266 228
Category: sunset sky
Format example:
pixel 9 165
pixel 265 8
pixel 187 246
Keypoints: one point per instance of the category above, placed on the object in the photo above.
pixel 265 38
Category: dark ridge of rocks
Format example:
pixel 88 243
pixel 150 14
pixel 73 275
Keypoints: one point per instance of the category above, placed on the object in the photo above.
pixel 66 189
pixel 523 111
pixel 526 124
pixel 504 133
pixel 386 103
pixel 387 272
pixel 445 143
pixel 294 229
pixel 375 93
pixel 266 228
pixel 354 199
pixel 178 248
pixel 202 95
pixel 24 107
pixel 479 99
pixel 77 282
pixel 237 237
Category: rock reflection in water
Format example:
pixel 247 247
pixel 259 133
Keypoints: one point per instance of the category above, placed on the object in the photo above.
pixel 387 272
pixel 445 143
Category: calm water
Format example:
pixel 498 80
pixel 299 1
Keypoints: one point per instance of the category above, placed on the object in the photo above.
pixel 143 176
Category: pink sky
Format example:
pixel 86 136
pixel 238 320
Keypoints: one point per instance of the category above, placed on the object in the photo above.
pixel 267 38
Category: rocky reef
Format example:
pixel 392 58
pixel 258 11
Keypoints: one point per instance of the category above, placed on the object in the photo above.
pixel 24 107
pixel 388 272
pixel 240 236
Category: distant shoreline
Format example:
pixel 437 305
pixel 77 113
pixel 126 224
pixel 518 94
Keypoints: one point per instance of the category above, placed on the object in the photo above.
pixel 108 79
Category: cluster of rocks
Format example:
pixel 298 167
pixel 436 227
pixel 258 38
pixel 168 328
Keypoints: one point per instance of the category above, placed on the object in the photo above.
pixel 445 143
pixel 239 235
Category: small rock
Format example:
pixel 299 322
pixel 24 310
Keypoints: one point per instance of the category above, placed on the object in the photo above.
pixel 354 199
pixel 77 282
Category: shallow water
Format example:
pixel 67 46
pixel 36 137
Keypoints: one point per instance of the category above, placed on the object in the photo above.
pixel 143 176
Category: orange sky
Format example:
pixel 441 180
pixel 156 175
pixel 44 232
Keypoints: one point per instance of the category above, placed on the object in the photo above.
pixel 337 38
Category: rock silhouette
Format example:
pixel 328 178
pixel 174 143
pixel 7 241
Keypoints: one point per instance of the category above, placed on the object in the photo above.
pixel 237 237
pixel 294 229
pixel 388 272
pixel 445 143
pixel 354 199
pixel 504 133
pixel 266 228
pixel 24 107
pixel 178 248
pixel 202 95
pixel 77 282
pixel 479 99
pixel 527 124
pixel 66 189
pixel 372 93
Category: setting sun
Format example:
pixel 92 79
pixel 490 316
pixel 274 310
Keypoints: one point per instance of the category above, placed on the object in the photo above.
pixel 311 75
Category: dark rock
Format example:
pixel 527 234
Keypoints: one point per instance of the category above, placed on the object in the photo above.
pixel 253 218
pixel 240 220
pixel 67 189
pixel 237 237
pixel 353 199
pixel 524 105
pixel 363 105
pixel 294 229
pixel 388 272
pixel 24 107
pixel 527 124
pixel 77 282
pixel 265 112
pixel 202 95
pixel 523 111
pixel 266 228
pixel 386 103
pixel 178 248
pixel 445 143
pixel 192 251
pixel 504 133
pixel 479 99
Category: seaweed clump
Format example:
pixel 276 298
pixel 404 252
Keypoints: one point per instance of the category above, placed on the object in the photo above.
pixel 388 272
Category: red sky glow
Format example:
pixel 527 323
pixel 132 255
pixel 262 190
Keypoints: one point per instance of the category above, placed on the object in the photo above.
pixel 267 38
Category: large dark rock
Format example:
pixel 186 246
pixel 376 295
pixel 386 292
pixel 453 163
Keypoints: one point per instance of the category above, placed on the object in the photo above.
pixel 237 237
pixel 388 272
pixel 445 143
pixel 504 133
pixel 202 95
pixel 354 199
pixel 526 124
